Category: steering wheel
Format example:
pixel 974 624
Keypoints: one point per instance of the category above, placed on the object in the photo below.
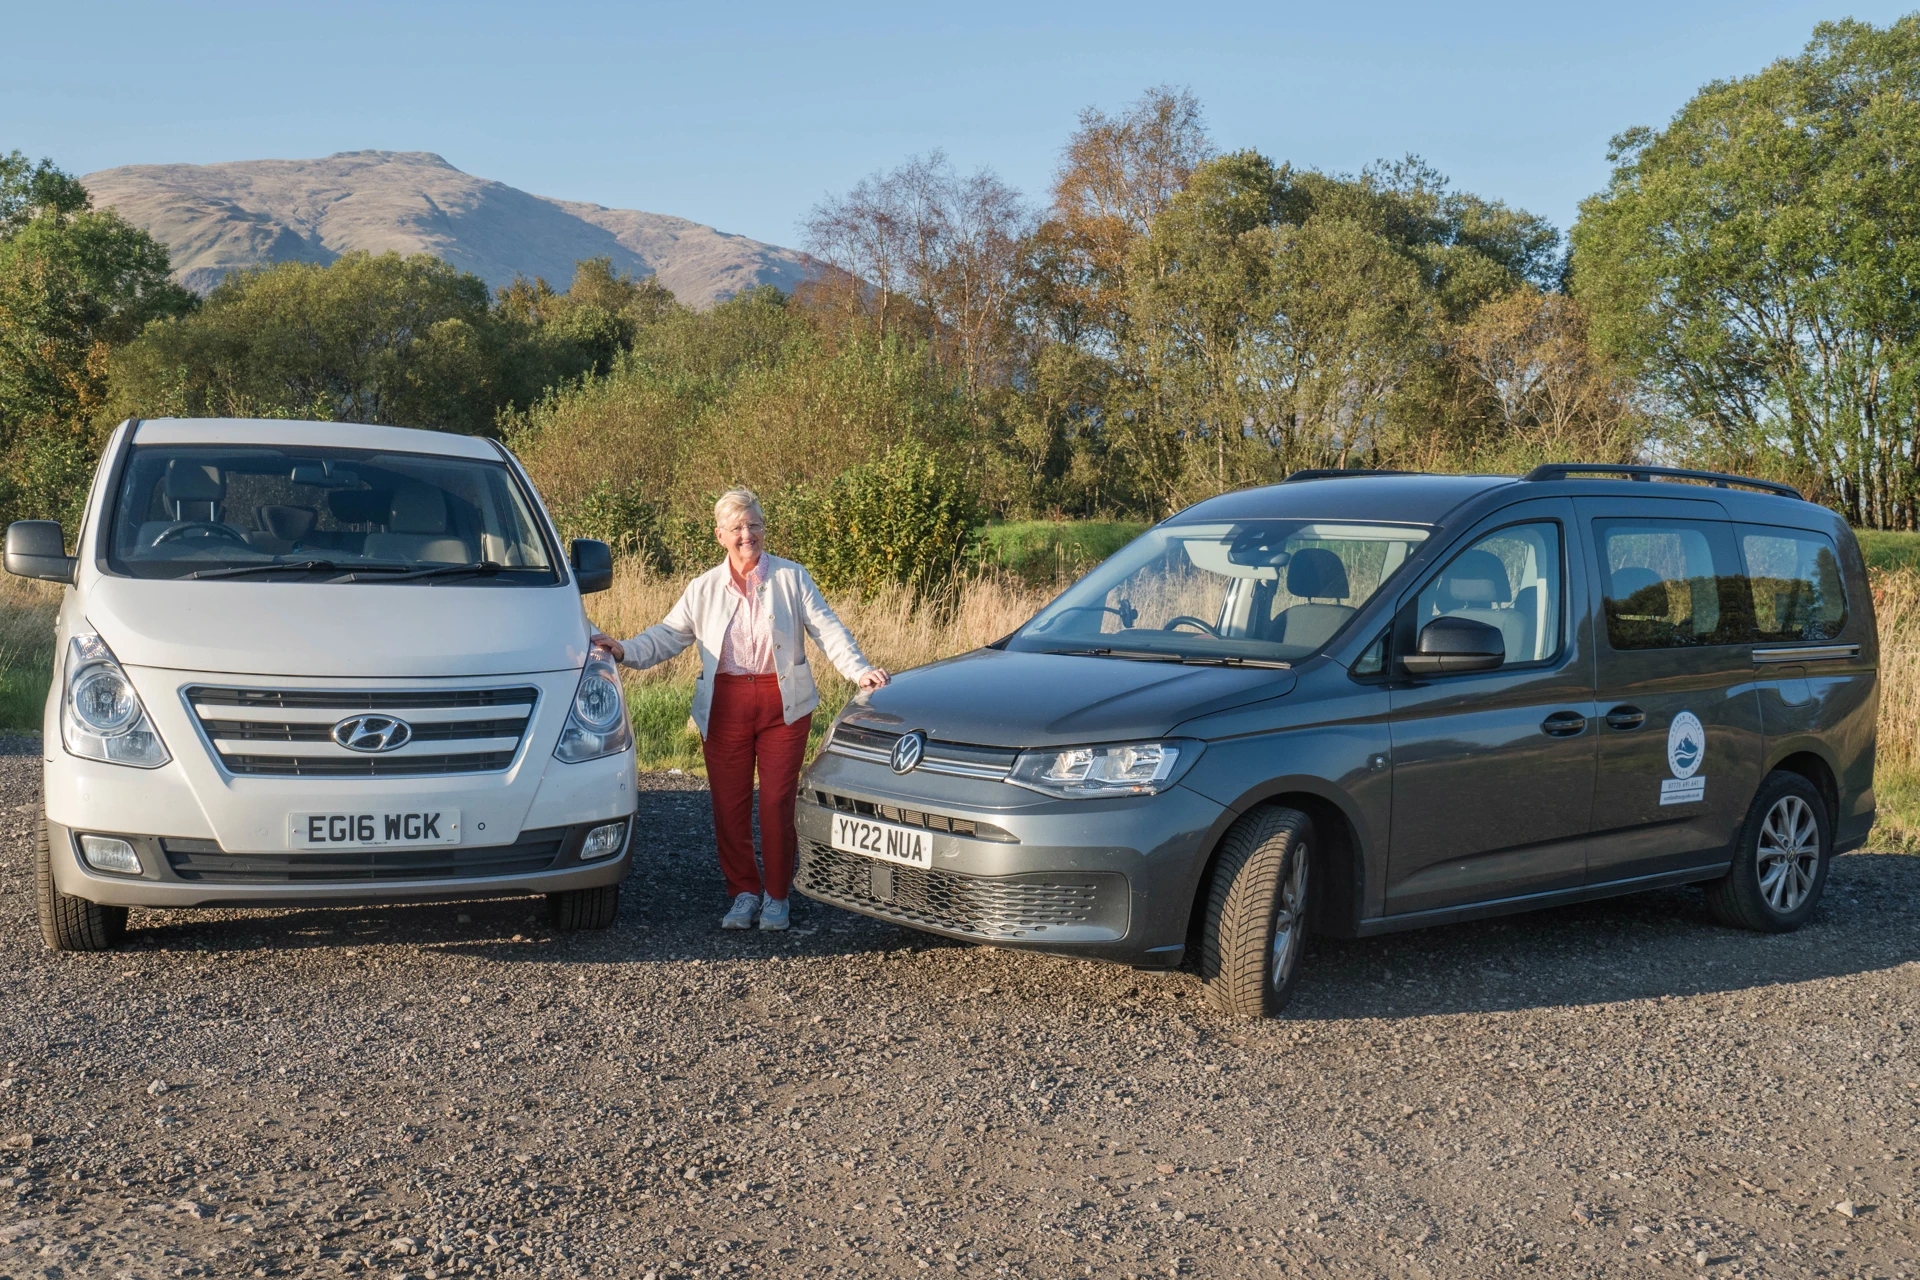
pixel 1207 627
pixel 203 529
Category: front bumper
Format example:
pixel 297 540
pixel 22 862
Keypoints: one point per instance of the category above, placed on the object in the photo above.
pixel 179 872
pixel 1101 879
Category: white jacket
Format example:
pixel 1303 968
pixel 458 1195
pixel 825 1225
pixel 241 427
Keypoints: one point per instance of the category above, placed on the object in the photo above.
pixel 704 611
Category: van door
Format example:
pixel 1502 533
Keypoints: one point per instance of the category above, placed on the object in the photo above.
pixel 1493 770
pixel 1680 738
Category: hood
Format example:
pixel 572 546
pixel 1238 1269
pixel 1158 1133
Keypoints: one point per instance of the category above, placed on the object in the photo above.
pixel 1000 699
pixel 365 631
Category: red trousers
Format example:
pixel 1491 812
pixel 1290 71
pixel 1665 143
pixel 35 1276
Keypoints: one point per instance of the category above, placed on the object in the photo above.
pixel 747 724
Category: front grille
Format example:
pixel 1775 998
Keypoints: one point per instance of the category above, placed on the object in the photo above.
pixel 206 862
pixel 972 828
pixel 454 730
pixel 1066 906
pixel 960 759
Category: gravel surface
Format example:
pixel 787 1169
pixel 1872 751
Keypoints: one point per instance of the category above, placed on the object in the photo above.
pixel 1615 1089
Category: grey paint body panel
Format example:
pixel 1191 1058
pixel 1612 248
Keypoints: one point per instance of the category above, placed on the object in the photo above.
pixel 1414 770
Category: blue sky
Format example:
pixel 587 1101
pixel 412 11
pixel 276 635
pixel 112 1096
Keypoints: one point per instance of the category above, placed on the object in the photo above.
pixel 743 115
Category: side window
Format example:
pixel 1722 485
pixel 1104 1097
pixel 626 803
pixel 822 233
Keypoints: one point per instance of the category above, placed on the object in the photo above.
pixel 1509 579
pixel 1671 584
pixel 1795 578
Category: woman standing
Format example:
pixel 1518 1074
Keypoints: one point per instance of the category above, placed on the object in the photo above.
pixel 755 697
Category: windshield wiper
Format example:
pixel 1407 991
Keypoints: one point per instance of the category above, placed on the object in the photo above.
pixel 447 571
pixel 296 566
pixel 1191 660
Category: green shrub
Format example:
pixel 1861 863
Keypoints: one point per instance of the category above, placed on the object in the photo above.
pixel 1049 552
pixel 901 519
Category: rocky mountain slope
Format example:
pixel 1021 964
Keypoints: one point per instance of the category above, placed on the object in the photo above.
pixel 219 217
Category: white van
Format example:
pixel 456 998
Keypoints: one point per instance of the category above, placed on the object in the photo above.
pixel 304 662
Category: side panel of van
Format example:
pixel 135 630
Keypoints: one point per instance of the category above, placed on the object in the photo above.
pixel 1680 742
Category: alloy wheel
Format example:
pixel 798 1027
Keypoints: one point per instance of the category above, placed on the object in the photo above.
pixel 1288 927
pixel 1788 854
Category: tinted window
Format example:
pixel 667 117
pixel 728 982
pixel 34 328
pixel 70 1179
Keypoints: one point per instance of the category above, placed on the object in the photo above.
pixel 185 509
pixel 1671 583
pixel 1795 581
pixel 1510 580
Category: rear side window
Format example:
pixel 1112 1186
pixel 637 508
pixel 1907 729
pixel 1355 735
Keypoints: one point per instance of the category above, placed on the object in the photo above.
pixel 1795 578
pixel 1671 584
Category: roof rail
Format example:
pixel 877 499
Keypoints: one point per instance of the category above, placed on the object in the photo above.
pixel 1337 473
pixel 1718 479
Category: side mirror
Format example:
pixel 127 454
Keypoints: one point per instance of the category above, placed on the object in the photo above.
pixel 592 562
pixel 38 549
pixel 1450 645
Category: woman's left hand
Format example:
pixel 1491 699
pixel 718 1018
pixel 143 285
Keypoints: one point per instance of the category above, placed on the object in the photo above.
pixel 873 679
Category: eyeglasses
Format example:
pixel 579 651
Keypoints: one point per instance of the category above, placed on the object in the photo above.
pixel 753 526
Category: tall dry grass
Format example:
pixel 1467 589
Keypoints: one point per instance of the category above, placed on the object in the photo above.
pixel 27 610
pixel 1896 777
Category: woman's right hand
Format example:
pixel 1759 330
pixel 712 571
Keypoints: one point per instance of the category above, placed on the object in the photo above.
pixel 607 644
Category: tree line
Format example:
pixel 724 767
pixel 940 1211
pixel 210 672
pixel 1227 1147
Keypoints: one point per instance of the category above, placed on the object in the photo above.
pixel 1166 322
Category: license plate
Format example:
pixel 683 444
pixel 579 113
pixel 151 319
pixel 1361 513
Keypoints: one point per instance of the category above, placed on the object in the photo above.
pixel 883 840
pixel 372 830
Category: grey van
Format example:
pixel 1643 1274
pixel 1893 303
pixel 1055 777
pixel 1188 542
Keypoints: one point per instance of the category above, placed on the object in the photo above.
pixel 1353 703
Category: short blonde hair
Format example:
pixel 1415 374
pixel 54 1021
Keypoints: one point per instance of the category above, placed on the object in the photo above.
pixel 737 502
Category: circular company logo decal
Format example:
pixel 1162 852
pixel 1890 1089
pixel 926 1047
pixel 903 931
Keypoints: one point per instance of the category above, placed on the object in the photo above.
pixel 907 751
pixel 1686 745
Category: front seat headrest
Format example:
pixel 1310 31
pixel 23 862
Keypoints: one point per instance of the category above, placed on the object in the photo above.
pixel 194 482
pixel 417 508
pixel 1315 573
pixel 1476 579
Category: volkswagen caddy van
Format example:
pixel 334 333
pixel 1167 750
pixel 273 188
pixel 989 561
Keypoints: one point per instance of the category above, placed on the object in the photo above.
pixel 1354 703
pixel 308 663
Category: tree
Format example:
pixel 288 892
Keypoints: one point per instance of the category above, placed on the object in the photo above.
pixel 74 283
pixel 1757 263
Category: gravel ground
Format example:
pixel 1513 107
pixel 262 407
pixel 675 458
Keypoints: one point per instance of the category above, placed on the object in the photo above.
pixel 1615 1089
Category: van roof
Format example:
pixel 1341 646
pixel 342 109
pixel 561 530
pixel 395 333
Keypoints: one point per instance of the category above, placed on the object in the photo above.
pixel 338 435
pixel 1408 499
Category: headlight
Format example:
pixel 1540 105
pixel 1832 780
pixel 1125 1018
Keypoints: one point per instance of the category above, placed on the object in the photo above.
pixel 597 721
pixel 101 717
pixel 1116 769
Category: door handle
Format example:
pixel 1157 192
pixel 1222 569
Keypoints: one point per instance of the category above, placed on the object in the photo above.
pixel 1625 717
pixel 1564 724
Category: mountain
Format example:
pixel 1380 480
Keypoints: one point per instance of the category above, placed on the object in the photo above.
pixel 218 217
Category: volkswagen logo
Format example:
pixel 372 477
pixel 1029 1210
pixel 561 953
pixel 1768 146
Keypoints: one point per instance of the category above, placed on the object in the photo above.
pixel 907 751
pixel 373 733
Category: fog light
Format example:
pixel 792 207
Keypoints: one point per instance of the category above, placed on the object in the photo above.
pixel 108 853
pixel 603 840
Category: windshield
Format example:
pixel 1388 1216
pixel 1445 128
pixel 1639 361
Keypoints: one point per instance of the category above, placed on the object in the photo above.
pixel 1248 591
pixel 261 511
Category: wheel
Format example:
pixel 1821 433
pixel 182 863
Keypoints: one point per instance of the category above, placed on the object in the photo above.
pixel 1257 906
pixel 572 909
pixel 68 923
pixel 1780 862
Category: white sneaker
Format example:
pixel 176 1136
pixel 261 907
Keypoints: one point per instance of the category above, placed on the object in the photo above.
pixel 740 915
pixel 773 913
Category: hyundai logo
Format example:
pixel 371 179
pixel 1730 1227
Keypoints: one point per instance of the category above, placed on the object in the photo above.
pixel 372 733
pixel 907 751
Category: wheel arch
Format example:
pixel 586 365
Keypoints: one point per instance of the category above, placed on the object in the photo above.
pixel 1338 856
pixel 1812 765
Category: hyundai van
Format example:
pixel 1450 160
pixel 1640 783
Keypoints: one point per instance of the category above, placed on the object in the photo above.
pixel 302 663
pixel 1353 703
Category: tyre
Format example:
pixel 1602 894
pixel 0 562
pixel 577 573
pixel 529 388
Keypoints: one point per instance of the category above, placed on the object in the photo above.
pixel 68 923
pixel 572 909
pixel 1780 861
pixel 1257 905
